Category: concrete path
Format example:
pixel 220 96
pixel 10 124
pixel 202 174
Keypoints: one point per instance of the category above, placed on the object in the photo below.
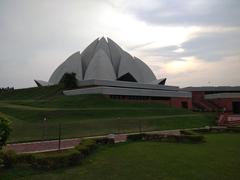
pixel 53 145
pixel 43 146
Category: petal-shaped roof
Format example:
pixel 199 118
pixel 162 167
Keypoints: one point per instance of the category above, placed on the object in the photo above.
pixel 102 44
pixel 127 65
pixel 104 60
pixel 88 54
pixel 115 52
pixel 72 64
pixel 159 81
pixel 100 67
pixel 145 73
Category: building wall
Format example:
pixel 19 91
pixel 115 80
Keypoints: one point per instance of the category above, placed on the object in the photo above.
pixel 225 103
pixel 178 102
pixel 197 96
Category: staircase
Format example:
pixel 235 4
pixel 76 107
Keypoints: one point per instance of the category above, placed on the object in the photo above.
pixel 206 105
pixel 229 119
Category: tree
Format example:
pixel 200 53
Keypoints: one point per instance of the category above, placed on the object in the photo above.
pixel 69 81
pixel 4 133
pixel 4 130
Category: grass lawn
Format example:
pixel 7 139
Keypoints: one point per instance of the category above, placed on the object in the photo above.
pixel 87 115
pixel 217 159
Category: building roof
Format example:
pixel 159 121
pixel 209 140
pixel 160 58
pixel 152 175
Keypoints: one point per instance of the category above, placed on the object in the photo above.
pixel 104 60
pixel 127 92
pixel 222 95
pixel 213 88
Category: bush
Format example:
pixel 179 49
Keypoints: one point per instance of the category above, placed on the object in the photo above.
pixel 136 137
pixel 24 158
pixel 202 130
pixel 104 140
pixel 233 129
pixel 1 160
pixel 188 132
pixel 4 130
pixel 86 146
pixel 187 136
pixel 9 158
pixel 56 159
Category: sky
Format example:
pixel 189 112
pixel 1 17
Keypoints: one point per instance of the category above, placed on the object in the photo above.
pixel 191 43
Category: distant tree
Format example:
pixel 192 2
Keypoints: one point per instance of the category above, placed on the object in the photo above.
pixel 69 81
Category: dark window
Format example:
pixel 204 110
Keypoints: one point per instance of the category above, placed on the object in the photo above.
pixel 236 107
pixel 127 77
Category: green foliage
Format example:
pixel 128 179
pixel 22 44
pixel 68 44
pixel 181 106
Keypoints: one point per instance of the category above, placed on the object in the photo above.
pixel 86 146
pixel 69 81
pixel 188 137
pixel 216 159
pixel 55 160
pixel 4 130
pixel 9 158
pixel 135 137
pixel 104 140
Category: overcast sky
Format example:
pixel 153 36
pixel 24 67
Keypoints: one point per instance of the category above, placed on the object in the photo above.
pixel 191 43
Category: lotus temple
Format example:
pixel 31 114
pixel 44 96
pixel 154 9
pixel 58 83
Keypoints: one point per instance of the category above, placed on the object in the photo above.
pixel 105 68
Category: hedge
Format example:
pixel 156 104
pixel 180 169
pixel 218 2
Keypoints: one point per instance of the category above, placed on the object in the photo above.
pixel 54 160
pixel 50 160
pixel 104 140
pixel 190 137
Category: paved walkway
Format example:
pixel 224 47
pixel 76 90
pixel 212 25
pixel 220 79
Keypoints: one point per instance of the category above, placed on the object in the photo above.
pixel 43 146
pixel 53 145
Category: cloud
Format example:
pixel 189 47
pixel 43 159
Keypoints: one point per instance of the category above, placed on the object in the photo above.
pixel 210 46
pixel 199 72
pixel 185 13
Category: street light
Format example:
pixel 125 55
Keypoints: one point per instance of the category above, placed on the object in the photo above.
pixel 44 128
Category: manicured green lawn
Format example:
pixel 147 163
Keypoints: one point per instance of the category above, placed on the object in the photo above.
pixel 87 115
pixel 217 159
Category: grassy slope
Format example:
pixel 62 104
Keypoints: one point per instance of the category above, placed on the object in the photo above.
pixel 216 159
pixel 86 115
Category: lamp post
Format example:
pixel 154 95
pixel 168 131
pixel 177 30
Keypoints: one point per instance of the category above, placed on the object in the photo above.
pixel 140 125
pixel 44 128
pixel 59 135
pixel 118 125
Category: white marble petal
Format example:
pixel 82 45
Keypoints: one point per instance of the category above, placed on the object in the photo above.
pixel 127 65
pixel 73 64
pixel 100 67
pixel 145 73
pixel 115 52
pixel 88 54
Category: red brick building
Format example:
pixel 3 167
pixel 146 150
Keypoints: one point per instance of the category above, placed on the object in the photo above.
pixel 222 98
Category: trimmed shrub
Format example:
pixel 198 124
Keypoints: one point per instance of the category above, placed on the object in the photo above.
pixel 233 129
pixel 5 130
pixel 1 159
pixel 24 158
pixel 104 140
pixel 86 146
pixel 155 137
pixel 202 130
pixel 136 137
pixel 56 159
pixel 188 132
pixel 9 158
pixel 187 136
